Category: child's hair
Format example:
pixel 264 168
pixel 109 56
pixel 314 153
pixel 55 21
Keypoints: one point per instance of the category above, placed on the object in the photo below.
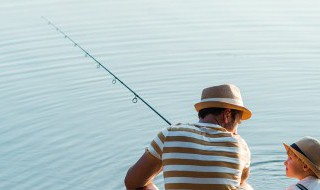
pixel 292 154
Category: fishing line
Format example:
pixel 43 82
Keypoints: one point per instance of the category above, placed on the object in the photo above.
pixel 115 78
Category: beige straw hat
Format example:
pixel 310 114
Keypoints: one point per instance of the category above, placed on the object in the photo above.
pixel 223 96
pixel 308 150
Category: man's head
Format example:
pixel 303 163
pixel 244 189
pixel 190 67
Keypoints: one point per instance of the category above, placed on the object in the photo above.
pixel 224 105
pixel 223 96
pixel 303 158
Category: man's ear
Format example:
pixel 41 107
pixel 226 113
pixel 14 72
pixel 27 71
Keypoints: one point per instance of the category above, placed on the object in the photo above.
pixel 226 115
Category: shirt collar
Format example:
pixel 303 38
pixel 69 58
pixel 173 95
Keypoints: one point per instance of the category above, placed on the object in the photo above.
pixel 210 125
pixel 309 178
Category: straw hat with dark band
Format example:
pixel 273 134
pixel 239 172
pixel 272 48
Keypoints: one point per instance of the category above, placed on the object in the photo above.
pixel 307 149
pixel 223 96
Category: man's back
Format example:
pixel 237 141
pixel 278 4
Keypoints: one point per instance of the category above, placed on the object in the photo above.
pixel 201 156
pixel 206 155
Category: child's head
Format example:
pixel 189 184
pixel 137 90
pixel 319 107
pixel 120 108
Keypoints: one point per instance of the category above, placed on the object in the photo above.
pixel 295 168
pixel 303 158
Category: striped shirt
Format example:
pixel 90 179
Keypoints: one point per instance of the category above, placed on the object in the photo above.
pixel 200 156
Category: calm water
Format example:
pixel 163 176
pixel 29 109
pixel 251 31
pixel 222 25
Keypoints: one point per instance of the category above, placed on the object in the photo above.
pixel 64 125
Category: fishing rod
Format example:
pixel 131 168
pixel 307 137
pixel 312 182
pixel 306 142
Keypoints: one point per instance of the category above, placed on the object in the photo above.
pixel 115 79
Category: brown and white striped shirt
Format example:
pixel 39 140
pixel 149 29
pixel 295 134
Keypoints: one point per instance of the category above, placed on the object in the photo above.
pixel 200 156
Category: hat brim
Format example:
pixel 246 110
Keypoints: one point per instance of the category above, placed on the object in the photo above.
pixel 312 166
pixel 246 113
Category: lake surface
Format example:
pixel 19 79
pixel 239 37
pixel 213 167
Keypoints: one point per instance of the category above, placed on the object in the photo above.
pixel 64 125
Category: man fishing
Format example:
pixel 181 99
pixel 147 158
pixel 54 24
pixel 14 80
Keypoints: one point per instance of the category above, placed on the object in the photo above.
pixel 206 155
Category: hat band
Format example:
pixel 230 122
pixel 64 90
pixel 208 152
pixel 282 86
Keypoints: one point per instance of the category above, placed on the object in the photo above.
pixel 294 146
pixel 226 100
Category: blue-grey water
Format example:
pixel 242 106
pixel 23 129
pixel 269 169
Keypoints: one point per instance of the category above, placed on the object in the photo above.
pixel 64 125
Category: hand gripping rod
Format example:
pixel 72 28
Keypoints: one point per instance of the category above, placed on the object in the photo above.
pixel 136 96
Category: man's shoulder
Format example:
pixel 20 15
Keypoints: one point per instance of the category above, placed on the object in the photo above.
pixel 182 127
pixel 203 131
pixel 240 139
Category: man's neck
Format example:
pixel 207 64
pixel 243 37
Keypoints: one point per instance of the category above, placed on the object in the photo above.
pixel 215 120
pixel 210 119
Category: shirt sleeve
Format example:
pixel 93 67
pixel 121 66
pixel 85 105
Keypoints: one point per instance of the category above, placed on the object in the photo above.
pixel 248 157
pixel 155 148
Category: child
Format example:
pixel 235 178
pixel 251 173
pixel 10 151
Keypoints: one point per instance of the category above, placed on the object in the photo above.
pixel 303 163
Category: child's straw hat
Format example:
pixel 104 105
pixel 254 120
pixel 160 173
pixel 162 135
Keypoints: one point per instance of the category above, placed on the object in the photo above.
pixel 308 150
